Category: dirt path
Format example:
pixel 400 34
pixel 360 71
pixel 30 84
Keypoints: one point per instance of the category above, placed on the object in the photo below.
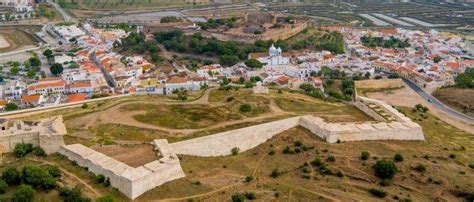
pixel 115 115
pixel 90 188
pixel 406 97
pixel 200 195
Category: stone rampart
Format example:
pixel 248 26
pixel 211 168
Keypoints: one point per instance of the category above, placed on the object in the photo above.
pixel 132 182
pixel 344 132
pixel 46 133
pixel 222 143
pixel 364 108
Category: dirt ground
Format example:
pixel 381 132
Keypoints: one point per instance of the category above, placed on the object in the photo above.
pixel 12 39
pixel 135 156
pixel 461 99
pixel 406 97
pixel 3 42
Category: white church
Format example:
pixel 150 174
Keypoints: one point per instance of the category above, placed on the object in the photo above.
pixel 275 57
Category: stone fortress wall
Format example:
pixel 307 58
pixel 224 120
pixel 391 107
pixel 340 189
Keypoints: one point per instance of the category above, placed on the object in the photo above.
pixel 46 133
pixel 221 144
pixel 391 126
pixel 132 182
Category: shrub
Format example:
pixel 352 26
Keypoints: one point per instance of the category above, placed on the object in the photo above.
pixel 99 179
pixel 298 143
pixel 84 106
pixel 378 193
pixel 245 108
pixel 22 149
pixel 331 158
pixel 229 99
pixel 24 193
pixel 306 169
pixel 420 168
pixel 385 182
pixel 287 150
pixel 275 173
pixel 38 151
pixel 53 170
pixel 250 195
pixel 385 169
pixel 339 174
pixel 453 156
pixel 471 165
pixel 37 177
pixel 237 197
pixel 235 151
pixel 106 198
pixel 398 157
pixel 107 182
pixel 364 155
pixel 271 152
pixel 72 195
pixel 248 178
pixel 11 176
pixel 317 162
pixel 3 186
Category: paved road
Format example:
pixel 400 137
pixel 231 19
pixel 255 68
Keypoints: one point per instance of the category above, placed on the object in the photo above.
pixel 65 15
pixel 438 104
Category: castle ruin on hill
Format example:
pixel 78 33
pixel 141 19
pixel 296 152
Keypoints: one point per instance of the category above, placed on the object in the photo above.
pixel 47 133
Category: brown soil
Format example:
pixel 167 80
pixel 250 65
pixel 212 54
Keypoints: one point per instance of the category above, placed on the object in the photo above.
pixel 461 99
pixel 135 156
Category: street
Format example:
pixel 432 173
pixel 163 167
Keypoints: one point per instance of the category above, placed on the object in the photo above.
pixel 438 104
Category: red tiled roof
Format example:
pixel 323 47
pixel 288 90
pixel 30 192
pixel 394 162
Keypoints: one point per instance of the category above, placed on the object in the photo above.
pixel 76 97
pixel 30 98
pixel 59 83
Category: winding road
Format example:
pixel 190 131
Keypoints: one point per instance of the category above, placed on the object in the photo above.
pixel 66 16
pixel 438 104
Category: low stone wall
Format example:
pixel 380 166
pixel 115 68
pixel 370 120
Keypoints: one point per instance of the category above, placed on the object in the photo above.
pixel 132 182
pixel 222 143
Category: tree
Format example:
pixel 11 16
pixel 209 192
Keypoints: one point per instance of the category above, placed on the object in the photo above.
pixel 11 176
pixel 24 193
pixel 253 63
pixel 3 186
pixel 14 70
pixel 34 62
pixel 56 68
pixel 464 81
pixel 385 169
pixel 437 59
pixel 229 60
pixel 48 53
pixel 11 107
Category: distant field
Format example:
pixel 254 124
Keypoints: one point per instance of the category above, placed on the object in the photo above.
pixel 457 98
pixel 126 4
